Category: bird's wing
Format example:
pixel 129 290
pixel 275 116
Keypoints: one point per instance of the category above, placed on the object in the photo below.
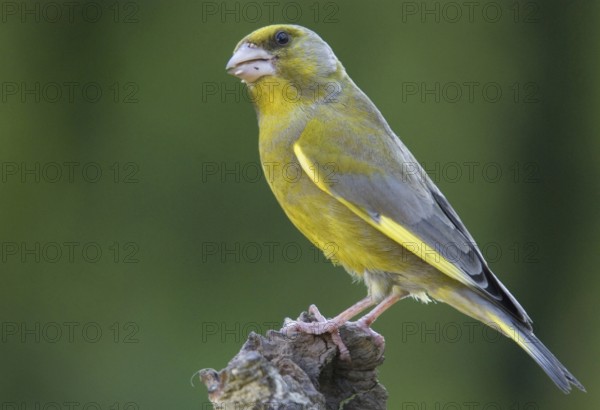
pixel 378 179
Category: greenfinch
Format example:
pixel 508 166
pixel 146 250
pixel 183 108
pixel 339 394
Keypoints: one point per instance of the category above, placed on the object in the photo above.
pixel 356 185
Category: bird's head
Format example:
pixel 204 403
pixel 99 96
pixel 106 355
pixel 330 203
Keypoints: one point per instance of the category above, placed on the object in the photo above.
pixel 285 52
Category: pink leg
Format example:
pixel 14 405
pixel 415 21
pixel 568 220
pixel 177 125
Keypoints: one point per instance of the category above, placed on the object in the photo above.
pixel 367 320
pixel 354 310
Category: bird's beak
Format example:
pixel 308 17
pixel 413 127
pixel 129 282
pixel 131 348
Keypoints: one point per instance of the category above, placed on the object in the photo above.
pixel 250 63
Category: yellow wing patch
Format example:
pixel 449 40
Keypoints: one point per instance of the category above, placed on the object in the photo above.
pixel 428 254
pixel 309 166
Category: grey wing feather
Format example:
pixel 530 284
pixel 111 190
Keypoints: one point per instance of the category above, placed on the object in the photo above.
pixel 405 193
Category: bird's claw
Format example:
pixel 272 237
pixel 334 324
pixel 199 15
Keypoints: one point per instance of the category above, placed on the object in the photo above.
pixel 321 326
pixel 366 326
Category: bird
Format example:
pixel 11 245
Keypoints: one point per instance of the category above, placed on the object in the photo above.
pixel 343 177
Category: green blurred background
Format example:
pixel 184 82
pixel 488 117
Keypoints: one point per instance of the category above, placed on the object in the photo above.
pixel 138 244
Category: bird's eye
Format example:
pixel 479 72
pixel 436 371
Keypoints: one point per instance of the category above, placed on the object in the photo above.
pixel 282 38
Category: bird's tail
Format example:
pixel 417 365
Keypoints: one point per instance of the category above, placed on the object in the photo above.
pixel 540 353
pixel 477 307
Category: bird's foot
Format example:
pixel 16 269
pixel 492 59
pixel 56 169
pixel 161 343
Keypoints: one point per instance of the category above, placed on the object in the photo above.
pixel 365 325
pixel 321 326
pixel 367 320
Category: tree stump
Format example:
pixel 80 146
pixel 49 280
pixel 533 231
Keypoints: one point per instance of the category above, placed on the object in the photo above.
pixel 300 372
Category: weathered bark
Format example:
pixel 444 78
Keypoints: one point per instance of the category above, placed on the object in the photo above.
pixel 303 371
